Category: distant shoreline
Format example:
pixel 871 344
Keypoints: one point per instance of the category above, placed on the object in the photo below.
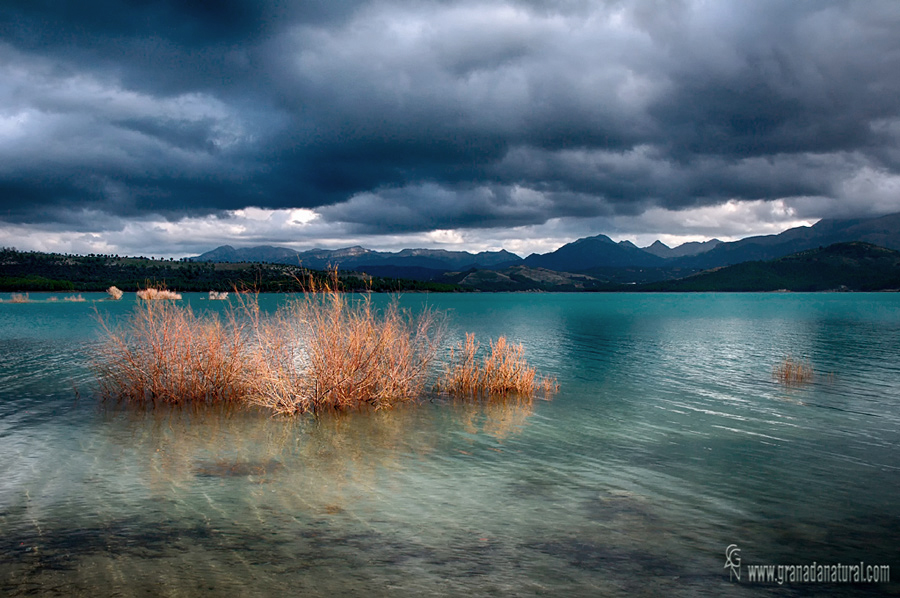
pixel 64 296
pixel 841 267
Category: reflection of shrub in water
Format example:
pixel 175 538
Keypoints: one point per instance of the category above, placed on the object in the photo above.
pixel 181 443
pixel 313 463
pixel 498 417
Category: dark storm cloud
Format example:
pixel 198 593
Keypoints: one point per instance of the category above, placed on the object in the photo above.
pixel 415 115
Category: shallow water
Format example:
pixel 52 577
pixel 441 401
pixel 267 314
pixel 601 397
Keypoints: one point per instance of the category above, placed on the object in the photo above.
pixel 667 442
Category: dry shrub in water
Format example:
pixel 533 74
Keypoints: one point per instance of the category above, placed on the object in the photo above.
pixel 19 298
pixel 503 371
pixel 152 293
pixel 793 371
pixel 167 353
pixel 218 296
pixel 331 350
pixel 75 298
pixel 114 293
pixel 325 350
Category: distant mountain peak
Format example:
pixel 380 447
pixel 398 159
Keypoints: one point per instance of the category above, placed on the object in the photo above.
pixel 602 238
pixel 660 249
pixel 348 251
pixel 598 251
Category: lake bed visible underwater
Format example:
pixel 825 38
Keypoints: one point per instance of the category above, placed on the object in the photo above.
pixel 668 441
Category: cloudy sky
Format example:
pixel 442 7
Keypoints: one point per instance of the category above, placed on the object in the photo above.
pixel 169 127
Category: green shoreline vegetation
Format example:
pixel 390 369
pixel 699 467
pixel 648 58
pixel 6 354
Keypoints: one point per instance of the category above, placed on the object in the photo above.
pixel 854 266
pixel 23 271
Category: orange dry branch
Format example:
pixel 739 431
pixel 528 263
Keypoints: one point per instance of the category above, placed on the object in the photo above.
pixel 793 371
pixel 166 353
pixel 331 350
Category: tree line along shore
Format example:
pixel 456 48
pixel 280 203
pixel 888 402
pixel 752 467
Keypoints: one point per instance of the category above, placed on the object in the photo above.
pixel 854 266
pixel 36 272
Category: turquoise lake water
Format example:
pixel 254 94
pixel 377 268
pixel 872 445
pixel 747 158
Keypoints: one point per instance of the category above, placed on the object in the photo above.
pixel 668 441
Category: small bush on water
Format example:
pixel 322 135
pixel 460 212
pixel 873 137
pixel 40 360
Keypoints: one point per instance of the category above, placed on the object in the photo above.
pixel 503 371
pixel 115 293
pixel 19 298
pixel 793 371
pixel 152 294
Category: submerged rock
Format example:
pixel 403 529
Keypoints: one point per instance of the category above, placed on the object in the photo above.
pixel 224 468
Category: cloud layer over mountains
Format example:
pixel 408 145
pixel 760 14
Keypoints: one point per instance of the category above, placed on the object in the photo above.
pixel 404 116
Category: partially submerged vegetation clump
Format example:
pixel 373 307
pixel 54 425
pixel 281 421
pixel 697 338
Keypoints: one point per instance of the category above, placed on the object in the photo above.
pixel 75 298
pixel 324 350
pixel 115 293
pixel 793 371
pixel 19 298
pixel 331 350
pixel 167 353
pixel 503 371
pixel 153 294
pixel 218 295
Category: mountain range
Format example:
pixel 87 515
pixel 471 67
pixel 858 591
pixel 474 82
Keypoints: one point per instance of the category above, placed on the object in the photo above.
pixel 597 256
pixel 852 266
pixel 416 264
